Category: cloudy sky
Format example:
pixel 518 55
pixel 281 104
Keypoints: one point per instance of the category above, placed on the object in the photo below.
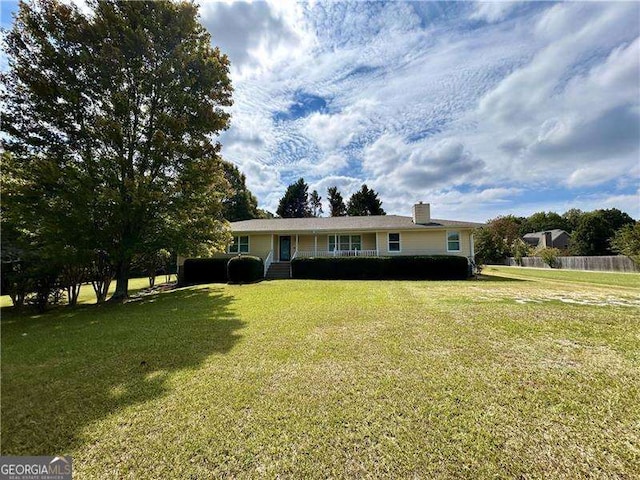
pixel 480 109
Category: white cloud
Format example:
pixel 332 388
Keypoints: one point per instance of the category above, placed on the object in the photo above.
pixel 419 166
pixel 423 113
pixel 256 35
pixel 492 12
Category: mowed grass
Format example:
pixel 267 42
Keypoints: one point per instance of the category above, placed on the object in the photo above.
pixel 498 377
pixel 574 276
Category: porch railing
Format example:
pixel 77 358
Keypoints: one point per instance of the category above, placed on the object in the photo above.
pixel 267 262
pixel 335 253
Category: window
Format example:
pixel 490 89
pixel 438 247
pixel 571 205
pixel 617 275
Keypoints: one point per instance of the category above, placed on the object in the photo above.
pixel 453 241
pixel 345 242
pixel 394 242
pixel 239 245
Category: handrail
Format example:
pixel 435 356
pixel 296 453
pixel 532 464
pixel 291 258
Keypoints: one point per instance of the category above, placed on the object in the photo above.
pixel 267 262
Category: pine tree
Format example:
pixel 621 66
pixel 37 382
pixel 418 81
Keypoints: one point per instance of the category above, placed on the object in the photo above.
pixel 336 202
pixel 315 203
pixel 364 202
pixel 295 202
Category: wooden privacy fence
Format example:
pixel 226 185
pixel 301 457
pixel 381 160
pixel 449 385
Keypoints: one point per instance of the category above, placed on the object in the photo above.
pixel 611 263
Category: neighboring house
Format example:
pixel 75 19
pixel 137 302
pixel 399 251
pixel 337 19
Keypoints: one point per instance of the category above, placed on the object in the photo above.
pixel 279 240
pixel 555 238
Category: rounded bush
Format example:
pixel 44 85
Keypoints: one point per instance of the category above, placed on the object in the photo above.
pixel 245 269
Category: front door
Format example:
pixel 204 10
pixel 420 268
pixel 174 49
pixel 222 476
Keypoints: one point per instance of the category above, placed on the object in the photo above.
pixel 285 249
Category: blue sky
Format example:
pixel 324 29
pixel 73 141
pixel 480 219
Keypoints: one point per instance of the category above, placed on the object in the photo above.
pixel 480 109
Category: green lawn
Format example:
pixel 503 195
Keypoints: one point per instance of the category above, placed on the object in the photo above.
pixel 597 278
pixel 501 377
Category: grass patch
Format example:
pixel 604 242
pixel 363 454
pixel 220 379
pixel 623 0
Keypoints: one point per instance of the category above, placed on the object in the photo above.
pixel 614 279
pixel 316 379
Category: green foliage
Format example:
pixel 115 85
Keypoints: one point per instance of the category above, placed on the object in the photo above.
pixel 245 269
pixel 239 204
pixel 542 221
pixel 197 271
pixel 336 202
pixel 295 202
pixel 519 250
pixel 572 218
pixel 626 241
pixel 437 267
pixel 496 241
pixel 595 230
pixel 265 214
pixel 364 202
pixel 152 263
pixel 109 117
pixel 549 256
pixel 315 203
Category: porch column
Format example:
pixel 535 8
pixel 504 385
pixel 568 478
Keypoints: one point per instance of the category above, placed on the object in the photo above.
pixel 377 246
pixel 296 243
pixel 472 247
pixel 315 245
pixel 274 253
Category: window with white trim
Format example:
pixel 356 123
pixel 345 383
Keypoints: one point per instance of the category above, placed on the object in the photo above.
pixel 345 242
pixel 394 242
pixel 453 241
pixel 240 244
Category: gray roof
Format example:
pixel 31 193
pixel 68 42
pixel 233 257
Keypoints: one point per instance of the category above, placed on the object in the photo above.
pixel 337 224
pixel 555 233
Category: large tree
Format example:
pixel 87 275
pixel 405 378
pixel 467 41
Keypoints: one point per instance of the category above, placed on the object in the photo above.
pixel 364 202
pixel 315 203
pixel 110 117
pixel 295 202
pixel 336 202
pixel 596 229
pixel 240 203
pixel 626 241
pixel 572 218
pixel 498 239
pixel 541 221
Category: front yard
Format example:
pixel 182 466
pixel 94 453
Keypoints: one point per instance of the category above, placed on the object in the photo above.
pixel 514 375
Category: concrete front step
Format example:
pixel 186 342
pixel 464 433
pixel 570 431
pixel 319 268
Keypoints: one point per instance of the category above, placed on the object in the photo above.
pixel 279 270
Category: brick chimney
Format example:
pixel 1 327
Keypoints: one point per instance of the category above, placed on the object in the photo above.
pixel 421 213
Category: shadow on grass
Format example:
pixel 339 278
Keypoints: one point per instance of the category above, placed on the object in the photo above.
pixel 64 370
pixel 497 278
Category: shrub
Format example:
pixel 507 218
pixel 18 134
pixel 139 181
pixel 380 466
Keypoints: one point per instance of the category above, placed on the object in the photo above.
pixel 245 269
pixel 436 267
pixel 520 249
pixel 549 256
pixel 196 271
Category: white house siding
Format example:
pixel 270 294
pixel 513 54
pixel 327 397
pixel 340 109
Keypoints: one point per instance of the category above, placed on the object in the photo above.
pixel 260 245
pixel 432 242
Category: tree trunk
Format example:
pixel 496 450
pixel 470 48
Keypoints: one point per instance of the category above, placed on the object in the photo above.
pixel 73 291
pixel 122 281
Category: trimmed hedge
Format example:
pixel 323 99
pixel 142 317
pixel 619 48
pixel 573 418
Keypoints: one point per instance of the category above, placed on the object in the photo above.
pixel 245 269
pixel 196 271
pixel 433 267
